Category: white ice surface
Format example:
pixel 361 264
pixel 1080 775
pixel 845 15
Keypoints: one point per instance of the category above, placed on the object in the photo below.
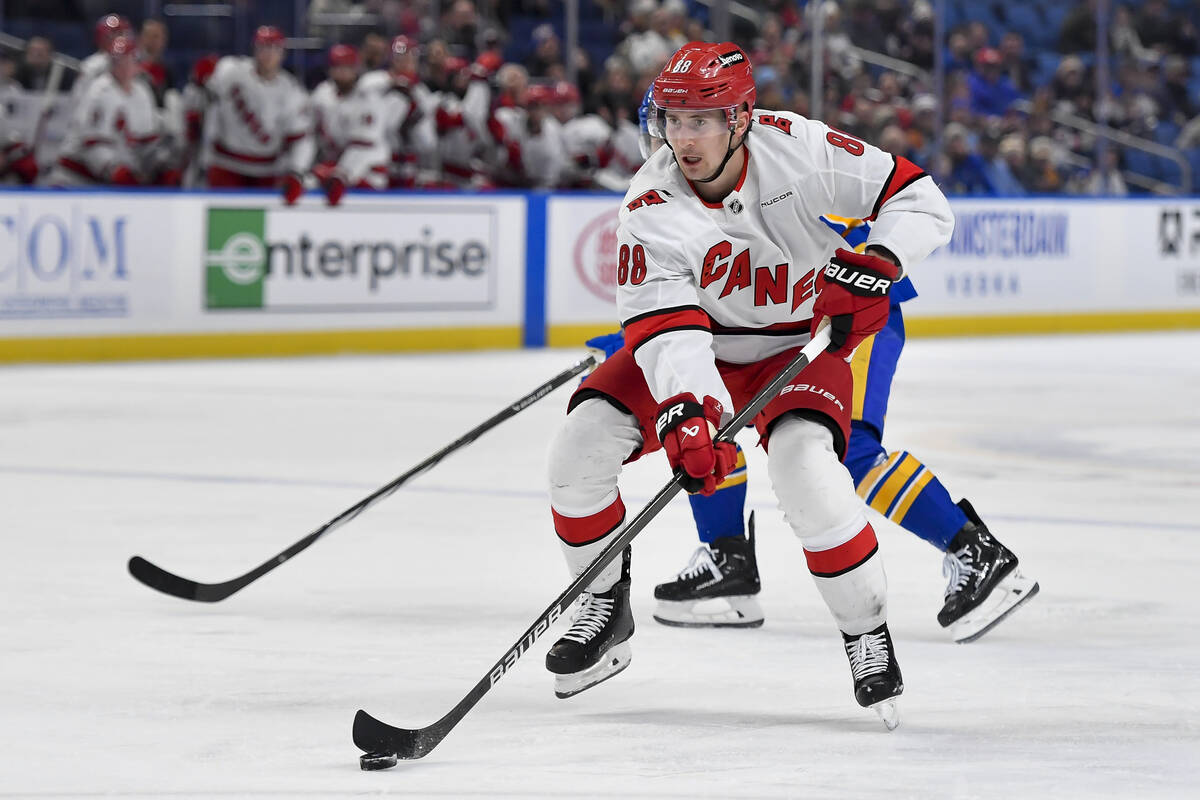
pixel 1082 453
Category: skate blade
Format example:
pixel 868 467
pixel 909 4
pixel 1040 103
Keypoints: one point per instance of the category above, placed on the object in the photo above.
pixel 614 661
pixel 735 611
pixel 888 711
pixel 1009 595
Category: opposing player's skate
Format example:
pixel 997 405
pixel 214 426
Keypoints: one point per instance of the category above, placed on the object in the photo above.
pixel 716 589
pixel 985 585
pixel 877 679
pixel 596 646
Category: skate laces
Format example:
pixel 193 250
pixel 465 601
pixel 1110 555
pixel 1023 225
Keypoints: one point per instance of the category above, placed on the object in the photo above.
pixel 868 655
pixel 957 567
pixel 702 561
pixel 593 613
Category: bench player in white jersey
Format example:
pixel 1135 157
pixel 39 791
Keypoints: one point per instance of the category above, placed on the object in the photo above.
pixel 257 127
pixel 724 269
pixel 328 101
pixel 108 27
pixel 113 129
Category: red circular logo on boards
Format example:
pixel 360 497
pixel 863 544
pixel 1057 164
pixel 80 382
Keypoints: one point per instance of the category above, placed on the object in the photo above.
pixel 596 256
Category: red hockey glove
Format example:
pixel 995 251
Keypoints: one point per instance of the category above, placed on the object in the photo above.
pixel 685 429
pixel 122 175
pixel 853 293
pixel 292 187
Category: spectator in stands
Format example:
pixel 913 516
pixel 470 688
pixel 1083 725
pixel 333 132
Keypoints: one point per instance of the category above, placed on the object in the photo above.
pixel 645 46
pixel 1016 65
pixel 374 52
pixel 1105 179
pixel 460 29
pixel 958 51
pixel 1124 38
pixel 1068 83
pixel 1044 175
pixel 1164 31
pixel 991 90
pixel 512 81
pixel 922 132
pixel 152 44
pixel 892 140
pixel 1005 169
pixel 34 72
pixel 967 175
pixel 1078 31
pixel 1175 101
pixel 547 52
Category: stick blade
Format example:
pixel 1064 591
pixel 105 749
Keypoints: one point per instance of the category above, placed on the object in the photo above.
pixel 373 736
pixel 160 580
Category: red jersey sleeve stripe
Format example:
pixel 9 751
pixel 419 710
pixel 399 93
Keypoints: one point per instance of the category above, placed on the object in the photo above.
pixel 903 173
pixel 646 326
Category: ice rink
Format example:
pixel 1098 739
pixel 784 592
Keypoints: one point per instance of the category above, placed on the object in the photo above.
pixel 1082 453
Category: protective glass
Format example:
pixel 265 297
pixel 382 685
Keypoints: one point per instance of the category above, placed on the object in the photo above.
pixel 676 125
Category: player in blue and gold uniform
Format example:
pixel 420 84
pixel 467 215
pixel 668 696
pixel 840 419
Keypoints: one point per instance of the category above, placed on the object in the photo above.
pixel 718 586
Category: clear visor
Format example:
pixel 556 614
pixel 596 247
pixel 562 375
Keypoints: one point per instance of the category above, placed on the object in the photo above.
pixel 675 125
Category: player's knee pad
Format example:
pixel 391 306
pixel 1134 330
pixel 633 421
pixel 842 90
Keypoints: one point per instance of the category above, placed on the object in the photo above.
pixel 586 455
pixel 814 490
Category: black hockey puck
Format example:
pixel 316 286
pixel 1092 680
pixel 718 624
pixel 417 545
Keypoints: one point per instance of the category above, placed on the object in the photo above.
pixel 373 761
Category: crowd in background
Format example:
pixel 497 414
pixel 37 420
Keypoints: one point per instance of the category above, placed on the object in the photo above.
pixel 481 96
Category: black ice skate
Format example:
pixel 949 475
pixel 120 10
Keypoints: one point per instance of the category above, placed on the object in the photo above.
pixel 877 679
pixel 716 589
pixel 596 646
pixel 985 585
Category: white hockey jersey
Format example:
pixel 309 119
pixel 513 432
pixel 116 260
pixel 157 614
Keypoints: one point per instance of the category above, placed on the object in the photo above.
pixel 329 120
pixel 254 126
pixel 542 161
pixel 735 280
pixel 110 128
pixel 90 69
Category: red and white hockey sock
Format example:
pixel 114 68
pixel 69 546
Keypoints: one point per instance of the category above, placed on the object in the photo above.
pixel 582 539
pixel 850 577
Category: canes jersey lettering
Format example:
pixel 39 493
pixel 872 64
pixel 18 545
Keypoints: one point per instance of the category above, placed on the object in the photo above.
pixel 735 280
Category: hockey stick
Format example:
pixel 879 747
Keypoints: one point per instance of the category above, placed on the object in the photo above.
pixel 383 744
pixel 158 578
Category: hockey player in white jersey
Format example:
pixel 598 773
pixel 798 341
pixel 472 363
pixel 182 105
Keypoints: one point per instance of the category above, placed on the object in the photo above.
pixel 724 270
pixel 108 27
pixel 257 126
pixel 113 129
pixel 532 150
pixel 329 100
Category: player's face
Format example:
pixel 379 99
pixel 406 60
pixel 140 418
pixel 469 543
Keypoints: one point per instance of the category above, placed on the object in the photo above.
pixel 124 68
pixel 700 140
pixel 343 75
pixel 268 57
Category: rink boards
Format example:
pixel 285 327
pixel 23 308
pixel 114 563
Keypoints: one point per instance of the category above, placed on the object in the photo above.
pixel 105 274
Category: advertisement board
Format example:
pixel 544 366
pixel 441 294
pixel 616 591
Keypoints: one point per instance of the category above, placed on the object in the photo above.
pixel 82 262
pixel 1013 265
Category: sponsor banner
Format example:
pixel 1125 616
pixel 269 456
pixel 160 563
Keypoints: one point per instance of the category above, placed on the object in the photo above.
pixel 1016 256
pixel 1008 257
pixel 581 260
pixel 393 256
pixel 82 261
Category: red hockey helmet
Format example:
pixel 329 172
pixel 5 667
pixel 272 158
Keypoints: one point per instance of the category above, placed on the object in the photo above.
pixel 110 26
pixel 268 36
pixel 565 92
pixel 702 76
pixel 121 46
pixel 203 69
pixel 343 55
pixel 402 45
pixel 540 94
